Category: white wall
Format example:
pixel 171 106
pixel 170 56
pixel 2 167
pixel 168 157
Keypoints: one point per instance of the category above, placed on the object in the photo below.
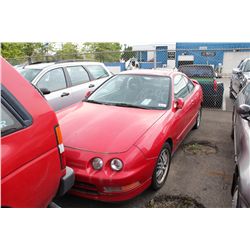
pixel 232 59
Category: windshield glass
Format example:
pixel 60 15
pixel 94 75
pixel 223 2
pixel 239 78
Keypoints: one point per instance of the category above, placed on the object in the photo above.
pixel 197 71
pixel 138 91
pixel 29 74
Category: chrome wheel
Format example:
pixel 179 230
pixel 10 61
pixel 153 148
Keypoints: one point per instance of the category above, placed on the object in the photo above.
pixel 162 166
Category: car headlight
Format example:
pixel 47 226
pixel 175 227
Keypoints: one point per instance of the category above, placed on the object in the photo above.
pixel 97 163
pixel 116 164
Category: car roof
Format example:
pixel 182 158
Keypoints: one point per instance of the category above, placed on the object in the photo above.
pixel 150 72
pixel 59 64
pixel 195 65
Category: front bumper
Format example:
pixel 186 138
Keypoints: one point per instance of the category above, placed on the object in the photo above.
pixel 66 182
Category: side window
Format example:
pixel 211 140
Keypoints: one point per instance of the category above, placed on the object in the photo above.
pixel 97 71
pixel 190 85
pixel 53 80
pixel 246 93
pixel 78 75
pixel 247 66
pixel 242 66
pixel 8 123
pixel 180 87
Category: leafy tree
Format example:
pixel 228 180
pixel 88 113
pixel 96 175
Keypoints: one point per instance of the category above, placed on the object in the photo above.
pixel 128 53
pixel 68 51
pixel 103 52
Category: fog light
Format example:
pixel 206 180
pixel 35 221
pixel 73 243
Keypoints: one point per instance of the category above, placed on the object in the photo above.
pixel 97 163
pixel 116 164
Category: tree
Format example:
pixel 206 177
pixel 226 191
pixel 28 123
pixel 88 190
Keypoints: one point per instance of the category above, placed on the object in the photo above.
pixel 68 51
pixel 128 53
pixel 103 52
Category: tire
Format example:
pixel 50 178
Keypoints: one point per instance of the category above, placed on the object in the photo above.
pixel 235 192
pixel 198 119
pixel 161 168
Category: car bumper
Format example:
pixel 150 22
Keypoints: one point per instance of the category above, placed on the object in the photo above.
pixel 66 182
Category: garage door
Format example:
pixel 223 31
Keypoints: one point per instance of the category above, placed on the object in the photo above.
pixel 232 59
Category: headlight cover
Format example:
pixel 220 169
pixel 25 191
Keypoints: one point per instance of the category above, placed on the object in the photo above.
pixel 97 163
pixel 116 164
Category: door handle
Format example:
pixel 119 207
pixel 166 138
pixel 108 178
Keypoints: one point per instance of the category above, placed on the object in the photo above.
pixel 64 94
pixel 91 85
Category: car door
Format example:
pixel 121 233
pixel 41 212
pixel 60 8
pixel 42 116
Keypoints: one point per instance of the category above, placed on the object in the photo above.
pixel 182 116
pixel 98 75
pixel 238 77
pixel 78 83
pixel 54 80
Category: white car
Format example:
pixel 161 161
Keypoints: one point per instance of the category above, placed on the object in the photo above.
pixel 65 83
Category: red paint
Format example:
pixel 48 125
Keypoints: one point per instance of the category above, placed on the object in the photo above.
pixel 135 136
pixel 31 168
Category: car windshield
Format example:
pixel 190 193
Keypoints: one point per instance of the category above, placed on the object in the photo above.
pixel 29 74
pixel 197 71
pixel 136 91
pixel 247 67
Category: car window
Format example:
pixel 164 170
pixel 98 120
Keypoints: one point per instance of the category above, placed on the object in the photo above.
pixel 240 63
pixel 180 87
pixel 197 71
pixel 190 85
pixel 78 75
pixel 97 71
pixel 242 66
pixel 53 80
pixel 246 93
pixel 247 66
pixel 8 123
pixel 29 74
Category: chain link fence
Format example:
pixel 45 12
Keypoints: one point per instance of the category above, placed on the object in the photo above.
pixel 212 68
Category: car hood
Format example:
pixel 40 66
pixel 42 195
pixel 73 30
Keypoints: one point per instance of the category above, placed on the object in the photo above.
pixel 104 128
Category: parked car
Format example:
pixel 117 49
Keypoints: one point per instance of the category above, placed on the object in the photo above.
pixel 33 160
pixel 240 76
pixel 65 83
pixel 241 135
pixel 121 138
pixel 205 75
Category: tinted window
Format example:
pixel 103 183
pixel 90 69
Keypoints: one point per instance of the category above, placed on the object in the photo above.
pixel 97 71
pixel 246 93
pixel 197 71
pixel 78 75
pixel 29 74
pixel 141 91
pixel 247 66
pixel 180 87
pixel 8 123
pixel 53 80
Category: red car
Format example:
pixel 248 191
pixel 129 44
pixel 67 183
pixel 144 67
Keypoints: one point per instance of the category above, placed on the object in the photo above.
pixel 33 160
pixel 121 138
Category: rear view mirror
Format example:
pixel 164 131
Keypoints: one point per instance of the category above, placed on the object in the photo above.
pixel 179 103
pixel 88 93
pixel 244 111
pixel 237 71
pixel 45 91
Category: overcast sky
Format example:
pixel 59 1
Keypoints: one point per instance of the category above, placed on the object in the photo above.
pixel 130 21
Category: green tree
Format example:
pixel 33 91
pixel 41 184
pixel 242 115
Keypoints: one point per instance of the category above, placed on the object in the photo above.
pixel 103 52
pixel 68 51
pixel 128 53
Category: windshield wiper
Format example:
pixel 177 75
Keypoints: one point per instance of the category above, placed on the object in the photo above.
pixel 93 101
pixel 129 105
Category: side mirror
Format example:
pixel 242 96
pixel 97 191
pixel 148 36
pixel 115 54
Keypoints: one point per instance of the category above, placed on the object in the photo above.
pixel 88 93
pixel 45 91
pixel 244 111
pixel 179 103
pixel 237 71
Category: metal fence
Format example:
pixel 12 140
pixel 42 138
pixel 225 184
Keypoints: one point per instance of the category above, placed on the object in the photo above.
pixel 210 67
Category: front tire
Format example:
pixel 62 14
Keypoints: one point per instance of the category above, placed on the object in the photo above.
pixel 198 119
pixel 162 167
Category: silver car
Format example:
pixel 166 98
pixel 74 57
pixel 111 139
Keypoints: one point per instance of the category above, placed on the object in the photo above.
pixel 65 83
pixel 241 136
pixel 240 76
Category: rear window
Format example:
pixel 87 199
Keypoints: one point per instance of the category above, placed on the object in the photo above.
pixel 29 74
pixel 197 71
pixel 97 71
pixel 8 122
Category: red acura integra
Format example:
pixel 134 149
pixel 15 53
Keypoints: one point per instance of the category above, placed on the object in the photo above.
pixel 121 138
